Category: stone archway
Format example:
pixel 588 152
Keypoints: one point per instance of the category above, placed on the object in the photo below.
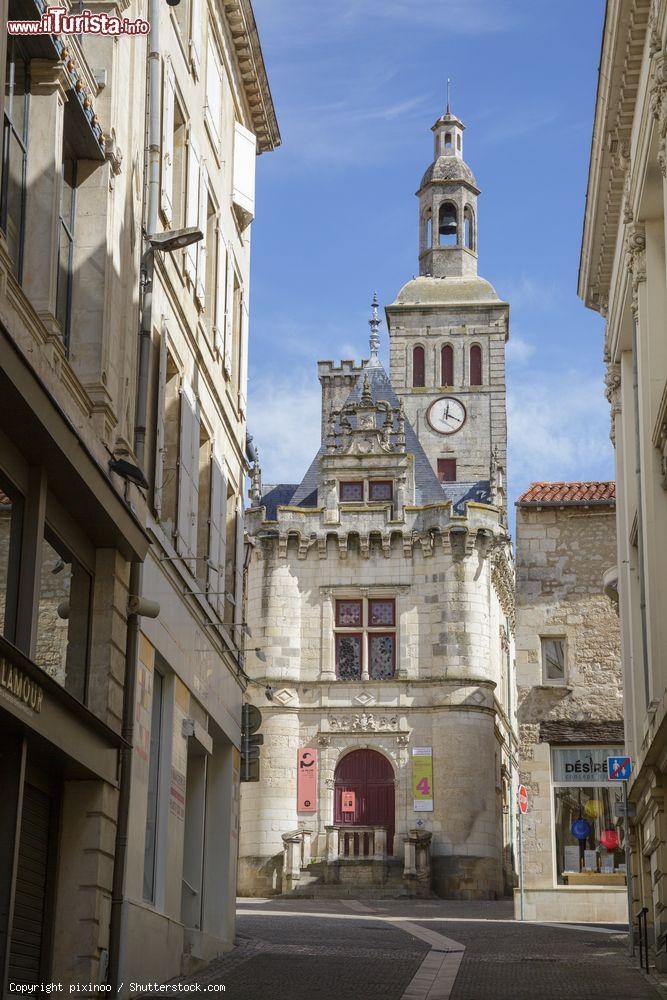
pixel 370 776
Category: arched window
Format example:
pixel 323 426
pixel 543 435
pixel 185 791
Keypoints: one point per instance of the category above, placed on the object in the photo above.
pixel 447 225
pixel 469 228
pixel 418 368
pixel 429 230
pixel 448 140
pixel 447 365
pixel 475 365
pixel 458 143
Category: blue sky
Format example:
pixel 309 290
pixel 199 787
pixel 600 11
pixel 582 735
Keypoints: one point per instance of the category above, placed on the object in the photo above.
pixel 357 85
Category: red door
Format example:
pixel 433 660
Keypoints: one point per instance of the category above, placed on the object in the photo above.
pixel 370 776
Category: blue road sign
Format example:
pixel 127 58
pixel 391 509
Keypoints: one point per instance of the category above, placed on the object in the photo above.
pixel 618 768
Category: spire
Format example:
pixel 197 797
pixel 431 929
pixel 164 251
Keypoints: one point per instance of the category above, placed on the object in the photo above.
pixel 374 323
pixel 449 96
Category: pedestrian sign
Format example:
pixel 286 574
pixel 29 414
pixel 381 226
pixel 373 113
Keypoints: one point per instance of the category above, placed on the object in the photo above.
pixel 618 768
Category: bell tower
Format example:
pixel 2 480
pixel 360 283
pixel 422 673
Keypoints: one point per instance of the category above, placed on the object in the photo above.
pixel 448 330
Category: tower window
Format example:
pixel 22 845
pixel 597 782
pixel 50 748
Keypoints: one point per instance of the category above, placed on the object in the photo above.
pixel 418 367
pixel 447 470
pixel 475 365
pixel 429 230
pixel 447 225
pixel 458 143
pixel 447 365
pixel 448 140
pixel 468 228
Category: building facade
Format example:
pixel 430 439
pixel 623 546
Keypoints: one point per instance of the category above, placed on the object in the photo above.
pixel 570 703
pixel 622 276
pixel 380 597
pixel 126 204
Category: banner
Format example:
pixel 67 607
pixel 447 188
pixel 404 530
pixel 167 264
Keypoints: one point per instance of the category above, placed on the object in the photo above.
pixel 422 779
pixel 306 780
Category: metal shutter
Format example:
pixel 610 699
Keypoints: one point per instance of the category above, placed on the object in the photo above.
pixel 30 903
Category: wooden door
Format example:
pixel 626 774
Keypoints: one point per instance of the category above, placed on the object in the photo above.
pixel 370 776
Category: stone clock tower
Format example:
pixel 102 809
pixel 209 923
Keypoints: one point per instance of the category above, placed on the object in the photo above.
pixel 448 330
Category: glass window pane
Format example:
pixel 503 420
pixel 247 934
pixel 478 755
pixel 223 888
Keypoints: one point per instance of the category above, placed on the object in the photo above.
pixel 348 657
pixel 14 193
pixel 381 655
pixel 62 294
pixel 380 491
pixel 150 842
pixel 553 658
pixel 11 506
pixel 590 840
pixel 63 618
pixel 67 191
pixel 348 614
pixel 352 491
pixel 381 612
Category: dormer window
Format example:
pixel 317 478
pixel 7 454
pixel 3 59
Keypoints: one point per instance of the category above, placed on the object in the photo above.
pixel 380 490
pixel 366 491
pixel 352 492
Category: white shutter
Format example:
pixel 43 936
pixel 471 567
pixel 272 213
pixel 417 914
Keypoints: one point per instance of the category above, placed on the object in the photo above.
pixel 213 90
pixel 192 207
pixel 196 38
pixel 214 528
pixel 243 358
pixel 222 557
pixel 229 315
pixel 243 183
pixel 159 425
pixel 168 98
pixel 238 574
pixel 200 285
pixel 220 289
pixel 194 490
pixel 185 470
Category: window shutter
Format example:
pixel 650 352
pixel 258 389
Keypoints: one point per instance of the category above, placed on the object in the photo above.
pixel 192 207
pixel 243 358
pixel 194 489
pixel 229 315
pixel 196 39
pixel 213 90
pixel 222 559
pixel 159 425
pixel 168 143
pixel 243 184
pixel 220 289
pixel 200 287
pixel 238 567
pixel 214 529
pixel 185 471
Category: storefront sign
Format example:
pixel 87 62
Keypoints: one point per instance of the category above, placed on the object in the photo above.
pixel 21 686
pixel 422 779
pixel 306 780
pixel 583 766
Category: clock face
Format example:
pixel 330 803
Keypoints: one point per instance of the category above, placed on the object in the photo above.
pixel 446 415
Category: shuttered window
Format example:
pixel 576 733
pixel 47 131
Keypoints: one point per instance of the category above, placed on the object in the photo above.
pixel 202 222
pixel 213 91
pixel 168 105
pixel 229 314
pixel 196 37
pixel 238 570
pixel 220 291
pixel 243 184
pixel 243 362
pixel 217 533
pixel 188 475
pixel 158 481
pixel 192 207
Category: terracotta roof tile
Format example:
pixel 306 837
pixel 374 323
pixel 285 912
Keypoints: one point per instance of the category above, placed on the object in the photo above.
pixel 569 493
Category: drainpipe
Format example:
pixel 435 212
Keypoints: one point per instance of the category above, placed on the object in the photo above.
pixel 117 921
pixel 640 522
pixel 148 262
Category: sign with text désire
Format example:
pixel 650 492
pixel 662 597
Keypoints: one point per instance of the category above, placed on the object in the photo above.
pixel 422 779
pixel 306 780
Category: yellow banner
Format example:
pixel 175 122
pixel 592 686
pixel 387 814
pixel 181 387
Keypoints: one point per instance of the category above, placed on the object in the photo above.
pixel 422 779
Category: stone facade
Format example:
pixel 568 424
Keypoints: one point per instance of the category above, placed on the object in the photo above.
pixel 439 555
pixel 622 276
pixel 563 548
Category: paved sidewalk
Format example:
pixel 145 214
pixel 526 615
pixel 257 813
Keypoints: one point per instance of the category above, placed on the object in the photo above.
pixel 417 950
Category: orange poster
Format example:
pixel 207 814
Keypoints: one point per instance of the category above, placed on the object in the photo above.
pixel 306 780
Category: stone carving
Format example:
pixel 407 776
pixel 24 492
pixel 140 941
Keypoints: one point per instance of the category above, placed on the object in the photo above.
pixel 403 739
pixel 635 251
pixel 502 579
pixel 612 381
pixel 363 722
pixel 324 741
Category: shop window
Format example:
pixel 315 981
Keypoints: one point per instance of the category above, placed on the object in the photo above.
pixel 150 843
pixel 589 838
pixel 553 660
pixel 15 153
pixel 365 638
pixel 63 617
pixel 11 519
pixel 66 220
pixel 352 492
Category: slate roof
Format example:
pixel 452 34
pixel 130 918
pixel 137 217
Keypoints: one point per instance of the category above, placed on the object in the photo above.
pixel 277 496
pixel 557 494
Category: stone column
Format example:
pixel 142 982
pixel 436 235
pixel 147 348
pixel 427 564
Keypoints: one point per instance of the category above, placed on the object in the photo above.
pixel 45 142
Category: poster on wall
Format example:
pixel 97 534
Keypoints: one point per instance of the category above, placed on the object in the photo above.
pixel 306 780
pixel 422 779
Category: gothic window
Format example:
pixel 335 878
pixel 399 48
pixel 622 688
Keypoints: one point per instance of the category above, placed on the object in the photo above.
pixel 418 367
pixel 380 489
pixel 351 492
pixel 447 225
pixel 469 228
pixel 475 365
pixel 447 365
pixel 365 638
pixel 447 470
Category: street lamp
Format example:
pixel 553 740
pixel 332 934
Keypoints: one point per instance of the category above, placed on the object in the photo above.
pixel 175 239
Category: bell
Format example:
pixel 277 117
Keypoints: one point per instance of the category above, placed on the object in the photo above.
pixel 447 225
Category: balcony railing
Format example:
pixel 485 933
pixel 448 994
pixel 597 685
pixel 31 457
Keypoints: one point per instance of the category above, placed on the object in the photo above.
pixel 350 843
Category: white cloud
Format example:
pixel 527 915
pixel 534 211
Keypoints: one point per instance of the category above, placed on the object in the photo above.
pixel 284 418
pixel 518 350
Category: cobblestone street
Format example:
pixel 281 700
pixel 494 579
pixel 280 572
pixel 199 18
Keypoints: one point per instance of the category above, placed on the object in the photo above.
pixel 431 950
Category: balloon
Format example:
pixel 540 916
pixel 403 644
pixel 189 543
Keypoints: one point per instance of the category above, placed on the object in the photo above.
pixel 609 839
pixel 592 809
pixel 580 829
